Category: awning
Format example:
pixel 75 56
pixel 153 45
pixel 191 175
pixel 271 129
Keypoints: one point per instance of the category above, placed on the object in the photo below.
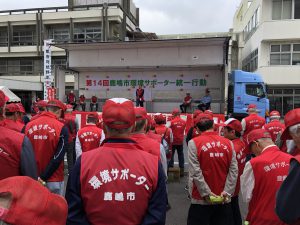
pixel 11 96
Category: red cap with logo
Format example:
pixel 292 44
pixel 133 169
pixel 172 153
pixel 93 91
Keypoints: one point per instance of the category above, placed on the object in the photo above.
pixel 57 103
pixel 203 117
pixel 42 103
pixel 291 118
pixel 20 108
pixel 274 114
pixel 256 135
pixel 159 118
pixel 252 107
pixel 11 108
pixel 118 113
pixel 31 203
pixel 3 99
pixel 234 124
pixel 140 113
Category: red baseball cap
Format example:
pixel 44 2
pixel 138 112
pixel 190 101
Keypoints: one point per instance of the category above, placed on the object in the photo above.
pixel 20 108
pixel 118 113
pixel 234 124
pixel 57 103
pixel 159 118
pixel 175 111
pixel 68 106
pixel 291 118
pixel 93 115
pixel 196 113
pixel 3 99
pixel 42 103
pixel 140 113
pixel 209 112
pixel 252 106
pixel 11 108
pixel 257 134
pixel 274 114
pixel 31 203
pixel 203 117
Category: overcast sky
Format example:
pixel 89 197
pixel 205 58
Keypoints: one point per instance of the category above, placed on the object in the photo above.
pixel 164 16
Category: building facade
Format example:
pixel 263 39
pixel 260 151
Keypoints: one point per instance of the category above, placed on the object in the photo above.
pixel 23 31
pixel 266 39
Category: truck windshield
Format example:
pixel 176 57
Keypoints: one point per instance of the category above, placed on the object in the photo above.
pixel 256 90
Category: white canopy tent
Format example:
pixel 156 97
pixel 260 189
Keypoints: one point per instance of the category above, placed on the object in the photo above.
pixel 11 96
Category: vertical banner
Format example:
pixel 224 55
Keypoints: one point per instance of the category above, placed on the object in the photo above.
pixel 51 93
pixel 48 78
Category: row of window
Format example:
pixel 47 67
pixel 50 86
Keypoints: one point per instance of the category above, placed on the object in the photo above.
pixel 285 9
pixel 285 54
pixel 252 24
pixel 284 100
pixel 250 63
pixel 22 36
pixel 26 66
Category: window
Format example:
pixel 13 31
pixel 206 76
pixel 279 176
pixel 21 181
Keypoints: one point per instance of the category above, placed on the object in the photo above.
pixel 254 90
pixel 251 25
pixel 87 33
pixel 285 54
pixel 3 66
pixel 23 36
pixel 250 63
pixel 60 34
pixel 297 9
pixel 61 62
pixel 283 9
pixel 26 65
pixel 296 55
pixel 3 36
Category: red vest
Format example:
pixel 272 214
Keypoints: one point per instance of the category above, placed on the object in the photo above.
pixel 10 152
pixel 147 144
pixel 239 147
pixel 165 132
pixel 69 121
pixel 214 155
pixel 178 127
pixel 187 100
pixel 154 136
pixel 94 99
pixel 274 128
pixel 269 169
pixel 44 134
pixel 140 94
pixel 253 121
pixel 117 182
pixel 82 99
pixel 13 125
pixel 89 137
pixel 71 98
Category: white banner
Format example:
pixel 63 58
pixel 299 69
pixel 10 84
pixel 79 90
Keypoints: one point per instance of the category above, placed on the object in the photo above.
pixel 155 82
pixel 48 77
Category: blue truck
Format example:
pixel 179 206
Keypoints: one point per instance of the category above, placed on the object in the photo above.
pixel 246 88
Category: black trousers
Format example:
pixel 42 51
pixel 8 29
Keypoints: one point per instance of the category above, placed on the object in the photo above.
pixel 179 149
pixel 236 214
pixel 183 107
pixel 139 103
pixel 210 215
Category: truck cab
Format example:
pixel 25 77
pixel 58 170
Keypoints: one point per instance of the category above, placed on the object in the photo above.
pixel 246 88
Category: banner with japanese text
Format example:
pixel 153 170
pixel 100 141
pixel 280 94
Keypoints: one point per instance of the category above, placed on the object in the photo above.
pixel 157 82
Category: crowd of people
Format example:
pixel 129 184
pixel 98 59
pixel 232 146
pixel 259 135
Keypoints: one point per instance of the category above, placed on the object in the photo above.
pixel 118 166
